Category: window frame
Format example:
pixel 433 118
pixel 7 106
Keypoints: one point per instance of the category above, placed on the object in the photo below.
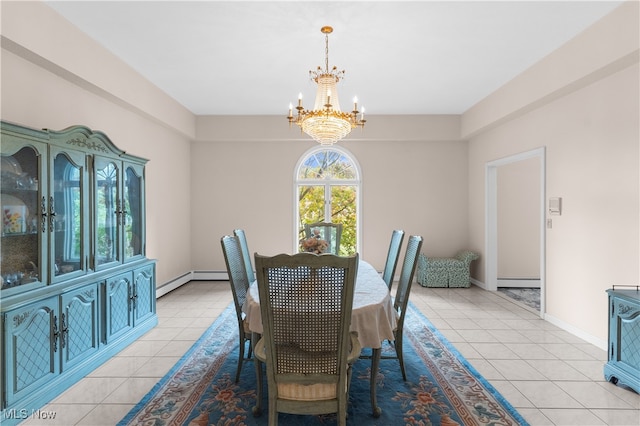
pixel 327 183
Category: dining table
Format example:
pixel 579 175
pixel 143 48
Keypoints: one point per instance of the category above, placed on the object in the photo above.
pixel 373 317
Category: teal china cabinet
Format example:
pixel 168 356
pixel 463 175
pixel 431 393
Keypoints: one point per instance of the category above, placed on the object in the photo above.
pixel 76 286
pixel 623 360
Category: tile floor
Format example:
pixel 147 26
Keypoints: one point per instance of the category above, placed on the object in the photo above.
pixel 550 376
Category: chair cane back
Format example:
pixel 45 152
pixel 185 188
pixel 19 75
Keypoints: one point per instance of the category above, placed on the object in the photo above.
pixel 246 256
pixel 392 257
pixel 401 300
pixel 306 302
pixel 239 287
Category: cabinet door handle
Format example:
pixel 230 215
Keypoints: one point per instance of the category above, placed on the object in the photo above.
pixel 135 297
pixel 65 332
pixel 134 300
pixel 52 214
pixel 121 213
pixel 55 333
pixel 43 213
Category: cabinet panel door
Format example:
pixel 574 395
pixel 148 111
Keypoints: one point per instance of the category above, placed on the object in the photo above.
pixel 107 213
pixel 23 215
pixel 145 293
pixel 67 214
pixel 79 325
pixel 133 211
pixel 118 306
pixel 627 318
pixel 31 344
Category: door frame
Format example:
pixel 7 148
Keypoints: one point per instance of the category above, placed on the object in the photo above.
pixel 491 219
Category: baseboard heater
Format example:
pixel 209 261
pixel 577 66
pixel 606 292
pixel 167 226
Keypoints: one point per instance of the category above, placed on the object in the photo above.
pixel 519 282
pixel 191 276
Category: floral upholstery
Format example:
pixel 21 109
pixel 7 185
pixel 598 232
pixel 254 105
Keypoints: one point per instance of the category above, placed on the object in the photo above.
pixel 445 272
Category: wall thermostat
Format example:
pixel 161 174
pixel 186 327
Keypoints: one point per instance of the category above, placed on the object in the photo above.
pixel 555 206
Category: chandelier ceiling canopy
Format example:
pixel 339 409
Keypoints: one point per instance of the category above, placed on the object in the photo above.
pixel 326 123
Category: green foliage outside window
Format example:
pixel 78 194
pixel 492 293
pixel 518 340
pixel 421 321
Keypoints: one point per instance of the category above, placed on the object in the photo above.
pixel 328 173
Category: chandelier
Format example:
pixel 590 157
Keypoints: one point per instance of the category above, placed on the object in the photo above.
pixel 326 123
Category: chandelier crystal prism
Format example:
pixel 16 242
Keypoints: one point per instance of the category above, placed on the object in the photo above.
pixel 326 123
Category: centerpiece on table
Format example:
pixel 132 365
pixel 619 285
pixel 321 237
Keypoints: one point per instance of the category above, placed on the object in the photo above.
pixel 314 244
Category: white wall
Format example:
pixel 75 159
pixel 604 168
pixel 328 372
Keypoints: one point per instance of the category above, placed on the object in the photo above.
pixel 55 77
pixel 518 193
pixel 414 172
pixel 587 118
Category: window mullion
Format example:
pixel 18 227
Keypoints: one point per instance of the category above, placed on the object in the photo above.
pixel 327 202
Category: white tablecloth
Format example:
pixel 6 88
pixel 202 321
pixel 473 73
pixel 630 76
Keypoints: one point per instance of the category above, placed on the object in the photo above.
pixel 373 316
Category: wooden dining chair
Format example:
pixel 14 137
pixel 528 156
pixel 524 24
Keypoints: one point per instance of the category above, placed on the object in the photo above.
pixel 330 232
pixel 306 302
pixel 239 287
pixel 401 300
pixel 246 256
pixel 392 257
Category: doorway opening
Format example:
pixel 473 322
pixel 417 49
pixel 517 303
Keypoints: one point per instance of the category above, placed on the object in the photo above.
pixel 493 225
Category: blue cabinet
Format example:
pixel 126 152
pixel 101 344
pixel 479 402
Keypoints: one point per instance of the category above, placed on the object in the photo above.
pixel 144 294
pixel 31 344
pixel 79 325
pixel 623 365
pixel 118 306
pixel 129 299
pixel 75 283
pixel 48 337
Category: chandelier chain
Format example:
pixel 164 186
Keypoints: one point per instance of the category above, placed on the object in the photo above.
pixel 326 53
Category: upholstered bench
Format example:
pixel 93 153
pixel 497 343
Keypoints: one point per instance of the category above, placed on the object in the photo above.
pixel 445 272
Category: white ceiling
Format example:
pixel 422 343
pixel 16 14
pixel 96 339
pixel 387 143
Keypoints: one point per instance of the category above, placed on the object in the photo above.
pixel 416 57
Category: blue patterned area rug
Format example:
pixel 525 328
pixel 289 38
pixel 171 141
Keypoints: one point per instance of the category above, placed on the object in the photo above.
pixel 442 388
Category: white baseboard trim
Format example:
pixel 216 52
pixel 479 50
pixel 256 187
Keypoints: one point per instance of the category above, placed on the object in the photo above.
pixel 519 282
pixel 210 276
pixel 478 283
pixel 173 284
pixel 602 344
pixel 191 276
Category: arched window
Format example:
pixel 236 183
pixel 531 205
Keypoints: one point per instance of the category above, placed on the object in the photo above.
pixel 327 189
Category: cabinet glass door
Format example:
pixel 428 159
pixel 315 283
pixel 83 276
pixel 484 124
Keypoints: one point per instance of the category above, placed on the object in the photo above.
pixel 21 206
pixel 132 212
pixel 66 218
pixel 107 213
